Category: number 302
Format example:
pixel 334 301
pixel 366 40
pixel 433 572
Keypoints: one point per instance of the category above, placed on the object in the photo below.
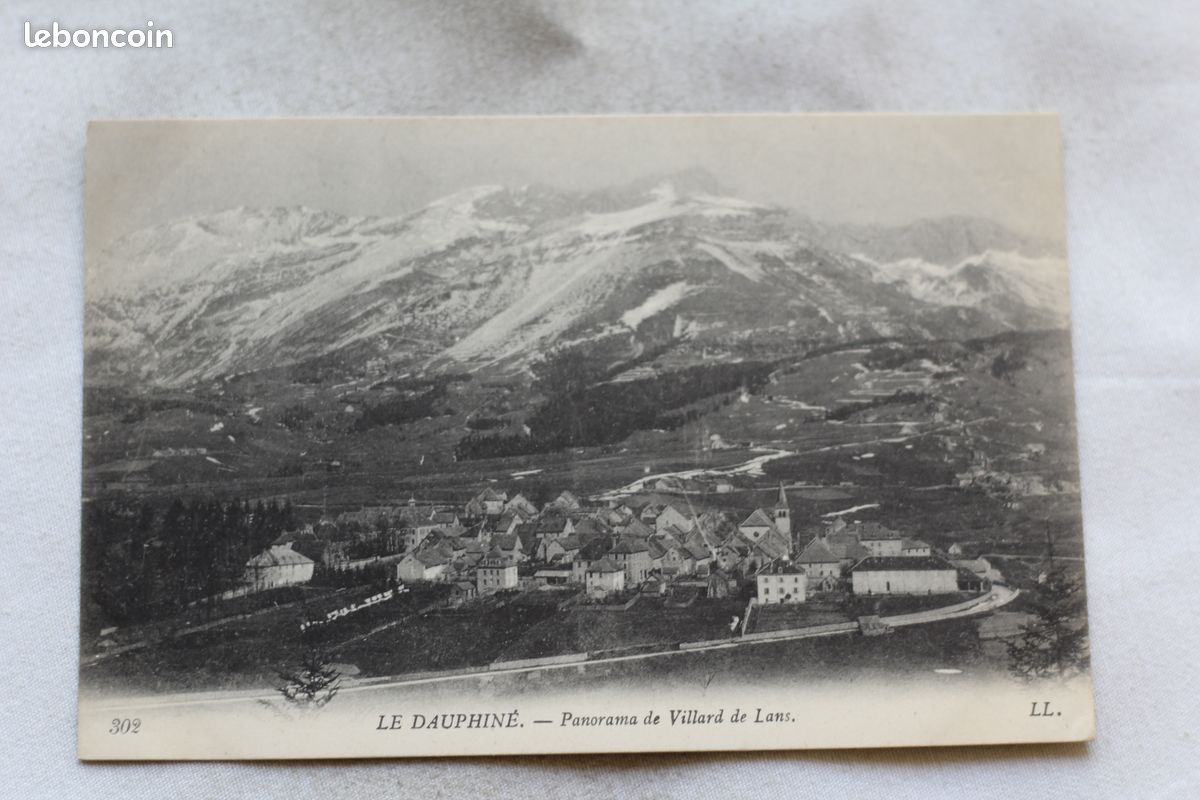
pixel 124 725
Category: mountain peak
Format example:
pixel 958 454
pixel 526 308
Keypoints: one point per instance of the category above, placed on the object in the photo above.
pixel 682 183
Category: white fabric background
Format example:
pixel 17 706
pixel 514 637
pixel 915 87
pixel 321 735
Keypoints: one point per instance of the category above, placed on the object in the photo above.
pixel 1123 75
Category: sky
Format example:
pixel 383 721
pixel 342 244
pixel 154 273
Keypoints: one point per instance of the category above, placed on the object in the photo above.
pixel 867 169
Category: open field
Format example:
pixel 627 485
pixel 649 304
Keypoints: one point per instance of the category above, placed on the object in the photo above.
pixel 647 622
pixel 244 652
pixel 782 617
pixel 473 636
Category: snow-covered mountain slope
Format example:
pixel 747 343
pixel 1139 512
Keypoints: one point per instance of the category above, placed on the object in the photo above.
pixel 496 275
pixel 1020 290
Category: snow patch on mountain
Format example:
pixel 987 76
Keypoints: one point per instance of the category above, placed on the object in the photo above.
pixel 555 294
pixel 666 204
pixel 489 274
pixel 660 301
pixel 719 202
pixel 1037 282
pixel 735 257
pixel 663 206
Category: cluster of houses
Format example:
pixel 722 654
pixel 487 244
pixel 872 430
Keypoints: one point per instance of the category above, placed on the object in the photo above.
pixel 655 543
pixel 869 559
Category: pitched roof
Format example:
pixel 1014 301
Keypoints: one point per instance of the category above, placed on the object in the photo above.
pixel 846 546
pixel 774 545
pixel 672 535
pixel 519 499
pixel 657 548
pixel 605 565
pixel 594 549
pixel 840 537
pixel 569 542
pixel 505 541
pixel 650 513
pixel 431 557
pixel 550 523
pixel 872 531
pixel 903 564
pixel 913 544
pixel 526 532
pixel 738 547
pixel 565 499
pixel 978 567
pixel 280 555
pixel 590 526
pixel 311 546
pixel 474 531
pixel 781 567
pixel 679 507
pixel 816 552
pixel 699 541
pixel 635 527
pixel 496 560
pixel 290 536
pixel 631 544
pixel 757 519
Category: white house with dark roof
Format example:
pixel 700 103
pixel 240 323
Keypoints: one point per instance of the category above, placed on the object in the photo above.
pixel 278 565
pixel 877 539
pixel 604 577
pixel 633 554
pixel 672 515
pixel 495 573
pixel 781 582
pixel 427 564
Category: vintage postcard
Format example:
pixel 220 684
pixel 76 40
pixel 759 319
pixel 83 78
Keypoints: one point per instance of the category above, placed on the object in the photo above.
pixel 452 436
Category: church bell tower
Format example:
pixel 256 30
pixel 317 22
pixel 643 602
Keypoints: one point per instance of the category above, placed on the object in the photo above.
pixel 782 514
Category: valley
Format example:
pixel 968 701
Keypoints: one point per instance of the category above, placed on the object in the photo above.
pixel 260 377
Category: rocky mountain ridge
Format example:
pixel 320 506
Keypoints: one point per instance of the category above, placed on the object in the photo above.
pixel 497 276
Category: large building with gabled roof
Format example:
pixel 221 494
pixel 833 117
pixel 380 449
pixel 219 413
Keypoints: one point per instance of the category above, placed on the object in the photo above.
pixel 278 565
pixel 904 575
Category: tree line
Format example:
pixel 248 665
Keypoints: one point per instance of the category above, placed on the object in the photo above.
pixel 143 561
pixel 582 414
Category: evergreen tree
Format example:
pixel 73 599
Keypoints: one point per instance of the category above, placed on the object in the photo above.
pixel 1055 643
pixel 313 684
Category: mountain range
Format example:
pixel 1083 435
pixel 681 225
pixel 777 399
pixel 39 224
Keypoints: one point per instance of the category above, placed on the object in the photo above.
pixel 496 276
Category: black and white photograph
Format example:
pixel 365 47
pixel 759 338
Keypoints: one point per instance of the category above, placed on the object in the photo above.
pixel 578 434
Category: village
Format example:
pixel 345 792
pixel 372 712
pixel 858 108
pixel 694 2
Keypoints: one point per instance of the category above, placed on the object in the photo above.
pixel 613 552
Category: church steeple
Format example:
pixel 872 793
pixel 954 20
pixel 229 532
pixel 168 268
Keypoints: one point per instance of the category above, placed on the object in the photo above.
pixel 782 513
